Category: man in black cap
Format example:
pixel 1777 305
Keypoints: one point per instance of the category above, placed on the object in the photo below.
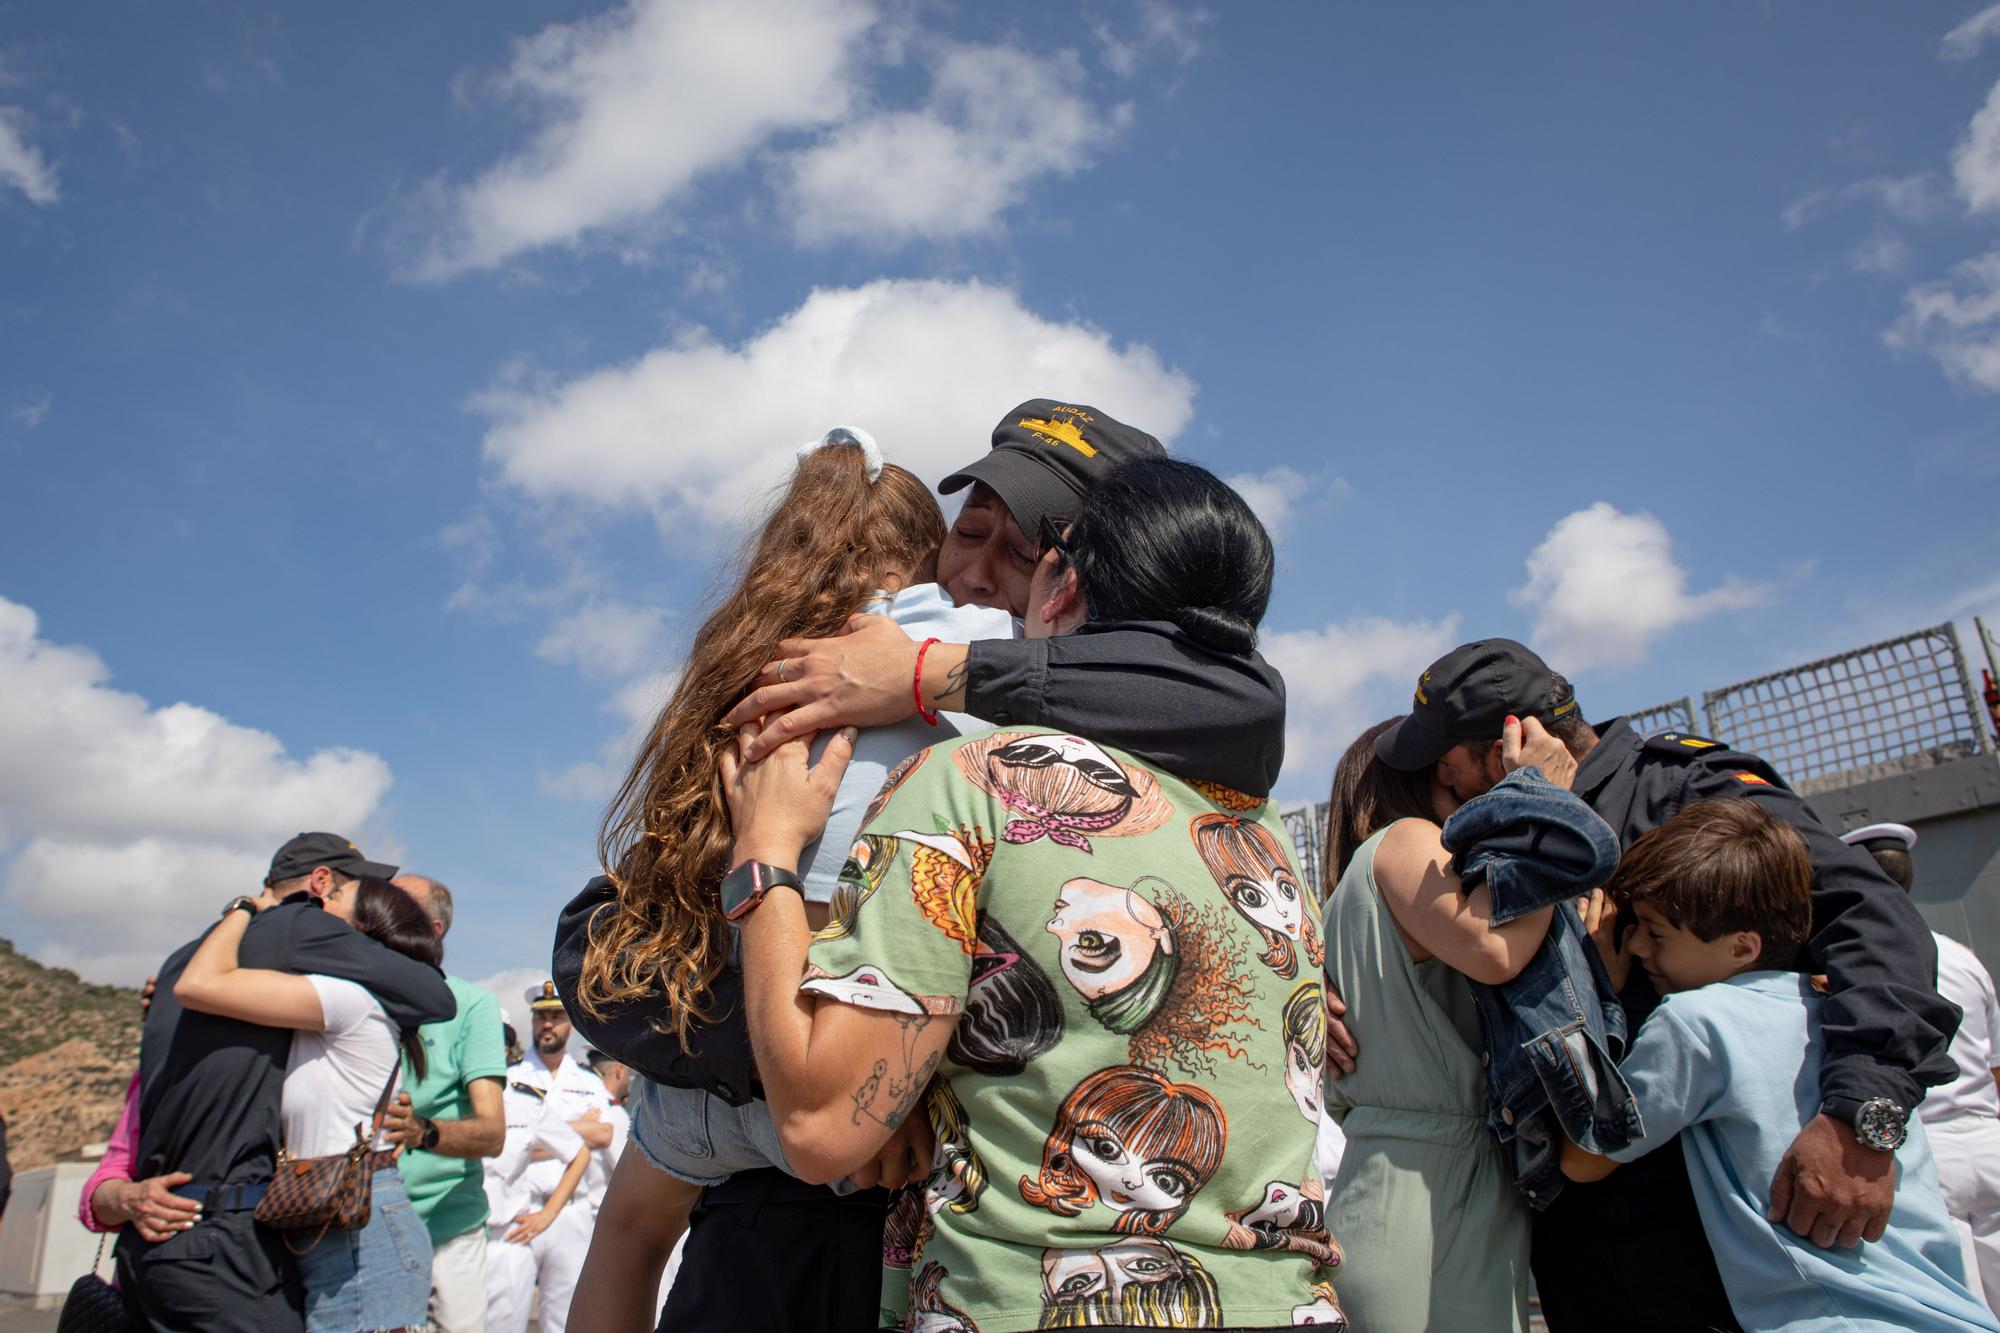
pixel 1629 1252
pixel 209 1100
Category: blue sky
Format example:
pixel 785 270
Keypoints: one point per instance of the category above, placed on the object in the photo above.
pixel 378 390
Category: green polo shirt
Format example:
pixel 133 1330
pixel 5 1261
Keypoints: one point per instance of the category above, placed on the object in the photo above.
pixel 449 1192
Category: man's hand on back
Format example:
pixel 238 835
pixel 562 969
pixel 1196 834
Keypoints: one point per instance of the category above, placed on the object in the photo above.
pixel 593 1129
pixel 1830 1189
pixel 865 677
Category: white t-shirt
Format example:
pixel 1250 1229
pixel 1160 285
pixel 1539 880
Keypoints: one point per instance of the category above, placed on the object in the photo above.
pixel 1976 1048
pixel 336 1075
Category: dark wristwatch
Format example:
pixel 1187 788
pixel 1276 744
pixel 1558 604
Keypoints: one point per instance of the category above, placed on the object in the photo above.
pixel 244 905
pixel 744 887
pixel 1878 1122
pixel 430 1139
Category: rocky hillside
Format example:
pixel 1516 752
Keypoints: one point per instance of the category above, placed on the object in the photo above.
pixel 67 1049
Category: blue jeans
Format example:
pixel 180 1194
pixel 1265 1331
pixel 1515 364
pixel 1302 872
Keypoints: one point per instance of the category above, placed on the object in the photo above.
pixel 702 1139
pixel 375 1278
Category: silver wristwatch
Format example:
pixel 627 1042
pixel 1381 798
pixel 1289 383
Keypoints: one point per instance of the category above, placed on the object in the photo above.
pixel 1878 1122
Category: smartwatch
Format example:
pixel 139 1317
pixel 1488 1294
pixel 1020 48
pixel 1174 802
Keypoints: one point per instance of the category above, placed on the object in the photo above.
pixel 1878 1122
pixel 744 887
pixel 243 905
pixel 430 1139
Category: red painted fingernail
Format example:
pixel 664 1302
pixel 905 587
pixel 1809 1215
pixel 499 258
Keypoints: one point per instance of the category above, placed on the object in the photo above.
pixel 1511 719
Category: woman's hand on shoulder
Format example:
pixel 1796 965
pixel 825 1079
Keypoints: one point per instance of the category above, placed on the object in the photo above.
pixel 778 804
pixel 1525 742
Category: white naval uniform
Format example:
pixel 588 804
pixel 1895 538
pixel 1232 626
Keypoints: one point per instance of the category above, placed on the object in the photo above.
pixel 539 1106
pixel 1962 1118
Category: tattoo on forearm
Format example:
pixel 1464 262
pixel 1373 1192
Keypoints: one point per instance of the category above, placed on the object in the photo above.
pixel 953 691
pixel 887 1098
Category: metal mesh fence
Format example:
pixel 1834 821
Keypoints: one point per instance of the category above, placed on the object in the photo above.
pixel 1673 715
pixel 1307 825
pixel 1902 703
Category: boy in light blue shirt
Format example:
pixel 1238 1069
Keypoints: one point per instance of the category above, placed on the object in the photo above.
pixel 1730 1063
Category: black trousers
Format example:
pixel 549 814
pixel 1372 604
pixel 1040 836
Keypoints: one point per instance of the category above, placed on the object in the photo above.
pixel 1629 1253
pixel 225 1275
pixel 769 1253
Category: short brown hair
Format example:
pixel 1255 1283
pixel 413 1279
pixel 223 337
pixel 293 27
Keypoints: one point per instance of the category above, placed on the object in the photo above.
pixel 1720 866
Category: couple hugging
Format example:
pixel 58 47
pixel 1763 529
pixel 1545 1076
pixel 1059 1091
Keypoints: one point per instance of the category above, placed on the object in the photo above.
pixel 1030 939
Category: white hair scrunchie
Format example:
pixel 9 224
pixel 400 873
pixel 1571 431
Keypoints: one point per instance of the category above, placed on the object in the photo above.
pixel 871 453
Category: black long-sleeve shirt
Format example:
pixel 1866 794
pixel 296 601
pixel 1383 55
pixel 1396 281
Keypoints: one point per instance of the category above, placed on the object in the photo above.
pixel 1141 686
pixel 209 1087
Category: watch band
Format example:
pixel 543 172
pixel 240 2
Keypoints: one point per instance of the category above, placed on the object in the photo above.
pixel 744 887
pixel 429 1140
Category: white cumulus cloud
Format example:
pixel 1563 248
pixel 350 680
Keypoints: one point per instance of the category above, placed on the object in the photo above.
pixel 1279 494
pixel 1975 160
pixel 634 107
pixel 608 638
pixel 1964 41
pixel 1342 678
pixel 701 428
pixel 1001 128
pixel 22 165
pixel 127 824
pixel 1604 584
pixel 1956 320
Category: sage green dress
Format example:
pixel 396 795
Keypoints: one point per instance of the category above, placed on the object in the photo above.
pixel 1435 1235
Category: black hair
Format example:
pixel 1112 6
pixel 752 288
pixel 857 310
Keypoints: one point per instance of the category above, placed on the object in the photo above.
pixel 1367 797
pixel 386 914
pixel 1012 1012
pixel 1163 539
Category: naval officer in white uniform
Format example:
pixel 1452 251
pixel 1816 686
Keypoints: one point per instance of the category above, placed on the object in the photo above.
pixel 557 1111
pixel 1961 1118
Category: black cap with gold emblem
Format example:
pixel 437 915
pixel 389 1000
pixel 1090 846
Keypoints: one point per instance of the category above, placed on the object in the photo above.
pixel 1047 455
pixel 1467 695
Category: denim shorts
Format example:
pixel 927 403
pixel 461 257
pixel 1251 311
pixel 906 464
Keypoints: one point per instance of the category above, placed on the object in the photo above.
pixel 702 1139
pixel 377 1277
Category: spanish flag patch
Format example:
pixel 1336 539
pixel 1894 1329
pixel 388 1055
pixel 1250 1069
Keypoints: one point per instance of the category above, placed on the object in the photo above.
pixel 1752 779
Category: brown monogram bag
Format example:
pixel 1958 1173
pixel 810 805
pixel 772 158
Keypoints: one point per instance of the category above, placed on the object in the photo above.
pixel 324 1193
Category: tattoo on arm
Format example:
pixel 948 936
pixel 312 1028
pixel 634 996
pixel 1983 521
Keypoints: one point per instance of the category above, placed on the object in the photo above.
pixel 887 1098
pixel 952 695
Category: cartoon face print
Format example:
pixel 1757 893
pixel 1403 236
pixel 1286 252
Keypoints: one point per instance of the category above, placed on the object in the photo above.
pixel 945 870
pixel 957 1176
pixel 904 1230
pixel 1012 1011
pixel 1141 1283
pixel 896 778
pixel 1286 1217
pixel 1256 876
pixel 1110 936
pixel 1124 1178
pixel 930 1312
pixel 870 987
pixel 1062 788
pixel 867 865
pixel 1133 1141
pixel 1305 1048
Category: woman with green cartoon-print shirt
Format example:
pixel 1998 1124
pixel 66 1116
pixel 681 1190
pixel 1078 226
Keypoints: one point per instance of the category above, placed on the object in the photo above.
pixel 1097 979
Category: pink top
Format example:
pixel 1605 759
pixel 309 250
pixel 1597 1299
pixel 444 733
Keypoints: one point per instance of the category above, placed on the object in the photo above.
pixel 119 1156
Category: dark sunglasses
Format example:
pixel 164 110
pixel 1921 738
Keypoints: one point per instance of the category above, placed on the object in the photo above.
pixel 1052 536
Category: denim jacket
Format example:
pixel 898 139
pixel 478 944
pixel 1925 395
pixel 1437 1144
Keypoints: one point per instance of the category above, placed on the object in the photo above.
pixel 1555 1032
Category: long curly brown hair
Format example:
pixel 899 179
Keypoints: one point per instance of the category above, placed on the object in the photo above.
pixel 829 542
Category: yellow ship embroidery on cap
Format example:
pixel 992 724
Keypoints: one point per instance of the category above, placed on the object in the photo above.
pixel 1060 432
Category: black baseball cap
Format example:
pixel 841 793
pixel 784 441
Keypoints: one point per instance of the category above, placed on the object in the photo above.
pixel 1467 695
pixel 307 852
pixel 1047 455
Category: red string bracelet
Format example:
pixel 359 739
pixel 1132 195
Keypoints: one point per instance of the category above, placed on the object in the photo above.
pixel 917 686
